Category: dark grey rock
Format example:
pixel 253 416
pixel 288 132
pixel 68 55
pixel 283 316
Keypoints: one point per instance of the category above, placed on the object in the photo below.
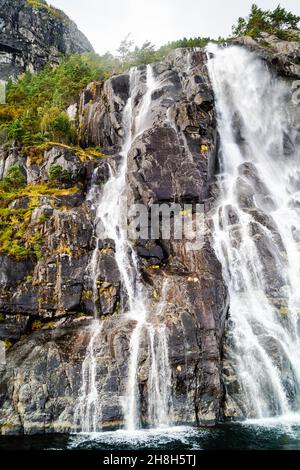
pixel 31 37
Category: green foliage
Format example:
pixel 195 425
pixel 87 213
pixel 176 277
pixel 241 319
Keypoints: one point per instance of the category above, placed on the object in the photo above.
pixel 282 19
pixel 60 128
pixel 43 219
pixel 15 129
pixel 61 123
pixel 14 179
pixel 125 49
pixel 131 55
pixel 276 22
pixel 36 102
pixel 58 176
pixel 35 111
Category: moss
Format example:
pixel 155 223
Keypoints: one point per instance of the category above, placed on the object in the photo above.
pixel 155 294
pixel 35 154
pixel 43 219
pixel 81 315
pixel 94 152
pixel 14 238
pixel 87 295
pixel 8 344
pixel 284 310
pixel 2 318
pixel 60 15
pixel 33 191
pixel 117 310
pixel 36 325
pixel 39 324
pixel 106 250
pixel 107 292
pixel 18 237
pixel 63 250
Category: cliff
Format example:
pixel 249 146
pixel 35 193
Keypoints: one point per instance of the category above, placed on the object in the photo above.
pixel 50 232
pixel 33 34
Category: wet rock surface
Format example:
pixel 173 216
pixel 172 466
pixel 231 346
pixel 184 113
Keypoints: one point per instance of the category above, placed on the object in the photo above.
pixel 46 305
pixel 283 56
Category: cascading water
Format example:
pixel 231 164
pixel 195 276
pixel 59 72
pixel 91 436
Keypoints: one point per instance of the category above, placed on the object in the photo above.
pixel 88 412
pixel 111 223
pixel 159 383
pixel 257 230
pixel 138 310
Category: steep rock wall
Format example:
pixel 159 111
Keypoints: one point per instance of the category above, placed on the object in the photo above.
pixel 33 34
pixel 46 305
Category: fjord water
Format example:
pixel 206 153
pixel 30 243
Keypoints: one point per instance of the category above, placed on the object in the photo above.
pixel 262 435
pixel 257 231
pixel 110 208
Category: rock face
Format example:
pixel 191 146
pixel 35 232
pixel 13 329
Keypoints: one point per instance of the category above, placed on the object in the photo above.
pixel 282 56
pixel 33 34
pixel 172 162
pixel 47 304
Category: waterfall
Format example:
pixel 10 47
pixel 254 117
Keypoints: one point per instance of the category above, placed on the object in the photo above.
pixel 110 207
pixel 159 383
pixel 257 230
pixel 138 310
pixel 88 412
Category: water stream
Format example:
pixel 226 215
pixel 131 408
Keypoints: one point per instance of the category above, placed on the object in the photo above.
pixel 257 228
pixel 110 207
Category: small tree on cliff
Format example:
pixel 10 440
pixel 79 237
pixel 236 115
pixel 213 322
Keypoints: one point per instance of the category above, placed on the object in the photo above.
pixel 259 20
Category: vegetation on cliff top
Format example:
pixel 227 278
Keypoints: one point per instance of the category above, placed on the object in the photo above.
pixel 278 22
pixel 36 104
pixel 59 14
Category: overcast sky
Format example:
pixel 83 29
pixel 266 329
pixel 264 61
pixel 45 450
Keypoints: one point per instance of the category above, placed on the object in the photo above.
pixel 107 22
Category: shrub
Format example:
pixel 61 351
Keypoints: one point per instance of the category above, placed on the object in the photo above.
pixel 16 130
pixel 61 127
pixel 14 179
pixel 57 175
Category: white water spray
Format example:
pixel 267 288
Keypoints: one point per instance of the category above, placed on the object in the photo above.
pixel 88 412
pixel 111 223
pixel 257 227
pixel 159 382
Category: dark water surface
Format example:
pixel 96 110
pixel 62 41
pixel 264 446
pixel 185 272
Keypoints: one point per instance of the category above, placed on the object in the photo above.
pixel 280 433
